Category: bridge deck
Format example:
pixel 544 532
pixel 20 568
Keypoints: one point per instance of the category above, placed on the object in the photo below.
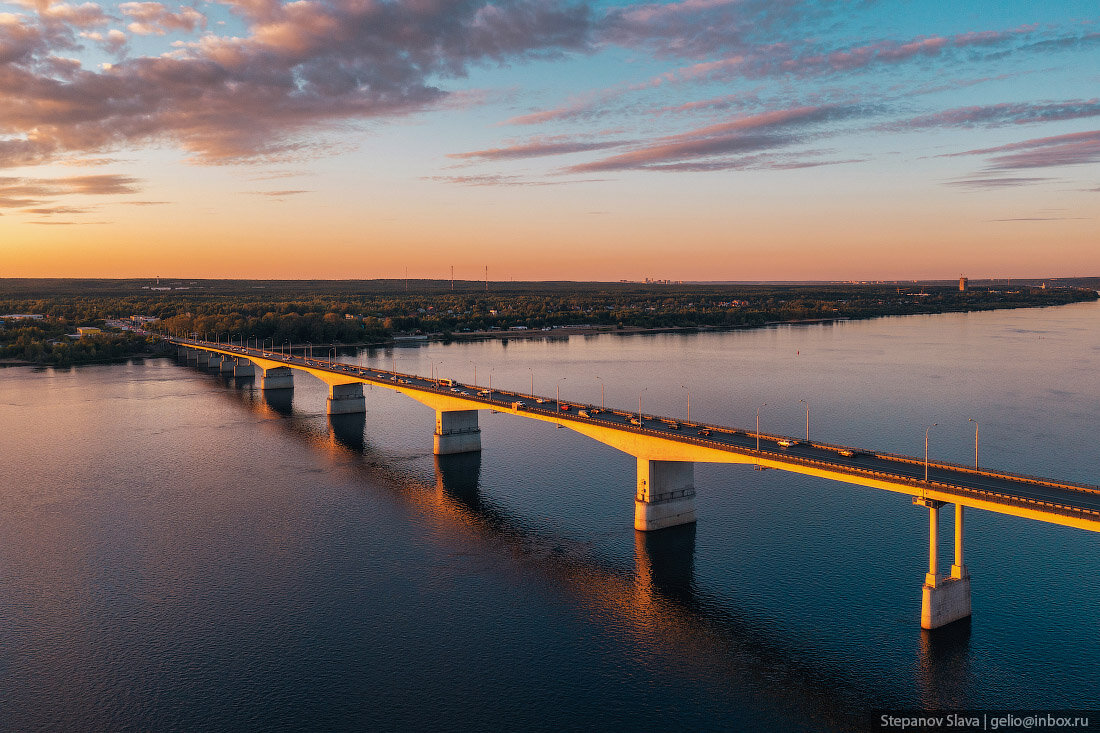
pixel 1071 504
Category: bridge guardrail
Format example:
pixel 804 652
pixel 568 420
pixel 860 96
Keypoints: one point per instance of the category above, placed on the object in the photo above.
pixel 917 484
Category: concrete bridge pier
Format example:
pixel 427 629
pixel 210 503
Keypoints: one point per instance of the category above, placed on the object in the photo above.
pixel 344 399
pixel 276 378
pixel 944 600
pixel 204 359
pixel 191 355
pixel 456 431
pixel 665 496
pixel 227 365
pixel 243 368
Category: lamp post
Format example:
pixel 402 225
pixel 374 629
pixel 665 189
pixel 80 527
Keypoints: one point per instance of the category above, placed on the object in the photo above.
pixel 762 404
pixel 640 404
pixel 601 392
pixel 532 392
pixel 557 393
pixel 689 401
pixel 926 449
pixel 807 419
pixel 975 442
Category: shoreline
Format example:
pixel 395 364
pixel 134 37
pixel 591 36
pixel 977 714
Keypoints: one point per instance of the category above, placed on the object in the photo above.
pixel 561 333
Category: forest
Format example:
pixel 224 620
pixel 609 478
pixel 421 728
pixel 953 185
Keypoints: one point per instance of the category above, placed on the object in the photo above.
pixel 375 311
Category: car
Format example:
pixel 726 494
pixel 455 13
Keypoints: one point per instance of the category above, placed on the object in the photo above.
pixel 539 400
pixel 846 453
pixel 704 432
pixel 582 413
pixel 565 408
pixel 519 405
pixel 786 443
pixel 635 421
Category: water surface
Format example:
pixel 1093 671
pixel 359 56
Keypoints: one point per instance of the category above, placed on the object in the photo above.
pixel 179 550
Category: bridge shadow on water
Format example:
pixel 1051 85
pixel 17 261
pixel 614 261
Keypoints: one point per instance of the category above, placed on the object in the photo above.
pixel 657 601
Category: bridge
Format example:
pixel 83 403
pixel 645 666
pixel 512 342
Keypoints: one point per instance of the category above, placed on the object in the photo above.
pixel 667 450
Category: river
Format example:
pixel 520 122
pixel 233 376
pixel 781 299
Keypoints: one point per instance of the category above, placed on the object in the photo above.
pixel 180 552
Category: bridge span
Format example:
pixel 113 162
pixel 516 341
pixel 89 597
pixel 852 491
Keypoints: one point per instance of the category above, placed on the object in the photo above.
pixel 667 449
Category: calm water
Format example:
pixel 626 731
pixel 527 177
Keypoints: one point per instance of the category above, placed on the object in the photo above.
pixel 178 551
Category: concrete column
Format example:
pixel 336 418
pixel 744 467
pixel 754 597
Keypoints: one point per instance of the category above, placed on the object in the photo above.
pixel 202 358
pixel 276 378
pixel 191 355
pixel 944 600
pixel 958 570
pixel 666 494
pixel 227 364
pixel 933 539
pixel 243 368
pixel 344 399
pixel 456 431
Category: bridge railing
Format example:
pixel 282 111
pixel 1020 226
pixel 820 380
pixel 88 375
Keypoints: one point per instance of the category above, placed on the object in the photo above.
pixel 695 439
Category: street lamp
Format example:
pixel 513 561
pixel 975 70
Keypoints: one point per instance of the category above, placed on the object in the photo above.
pixel 557 393
pixel 807 419
pixel 926 449
pixel 975 442
pixel 601 392
pixel 689 401
pixel 310 345
pixel 532 392
pixel 763 404
pixel 640 404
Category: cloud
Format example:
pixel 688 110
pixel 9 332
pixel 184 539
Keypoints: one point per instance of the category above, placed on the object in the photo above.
pixel 52 210
pixel 1045 218
pixel 150 18
pixel 26 193
pixel 497 180
pixel 1077 148
pixel 302 68
pixel 538 147
pixel 740 136
pixel 1017 113
pixel 802 58
pixel 701 28
pixel 86 15
pixel 995 183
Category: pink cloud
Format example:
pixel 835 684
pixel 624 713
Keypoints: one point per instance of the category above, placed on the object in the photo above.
pixel 304 66
pixel 1014 113
pixel 538 147
pixel 151 18
pixel 1075 148
pixel 741 136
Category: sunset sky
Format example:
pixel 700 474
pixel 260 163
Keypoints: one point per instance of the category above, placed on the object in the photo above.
pixel 550 139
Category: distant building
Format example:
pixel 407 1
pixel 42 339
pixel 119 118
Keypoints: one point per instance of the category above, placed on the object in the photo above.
pixel 24 316
pixel 83 331
pixel 963 284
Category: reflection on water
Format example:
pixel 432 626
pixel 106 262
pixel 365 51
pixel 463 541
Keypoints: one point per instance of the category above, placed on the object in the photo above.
pixel 944 670
pixel 348 430
pixel 280 400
